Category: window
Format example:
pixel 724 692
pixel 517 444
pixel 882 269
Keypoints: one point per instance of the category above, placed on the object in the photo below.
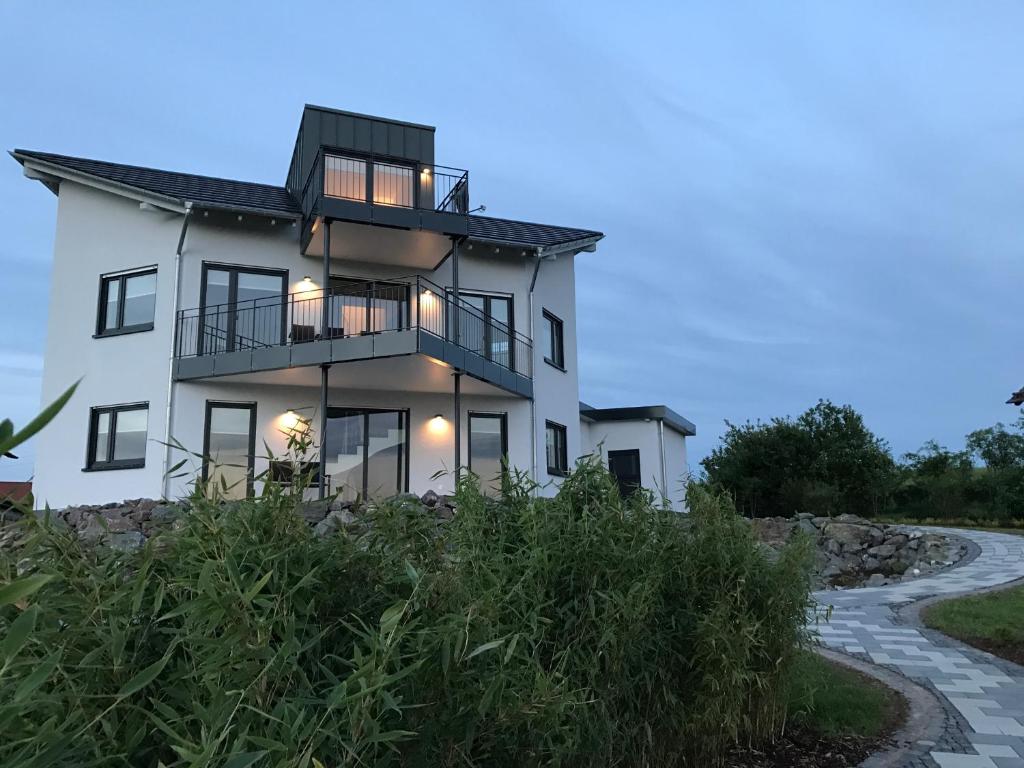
pixel 366 306
pixel 554 349
pixel 347 178
pixel 488 448
pixel 556 448
pixel 117 437
pixel 486 326
pixel 625 468
pixel 127 303
pixel 366 452
pixel 242 308
pixel 229 447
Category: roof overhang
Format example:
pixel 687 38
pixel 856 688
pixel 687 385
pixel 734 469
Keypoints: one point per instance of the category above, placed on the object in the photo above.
pixel 661 413
pixel 51 174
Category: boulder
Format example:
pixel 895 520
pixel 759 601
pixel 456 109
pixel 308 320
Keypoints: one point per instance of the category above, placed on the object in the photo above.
pixel 130 541
pixel 847 534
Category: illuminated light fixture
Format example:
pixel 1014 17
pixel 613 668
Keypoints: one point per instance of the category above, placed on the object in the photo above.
pixel 438 424
pixel 290 419
pixel 425 171
pixel 239 217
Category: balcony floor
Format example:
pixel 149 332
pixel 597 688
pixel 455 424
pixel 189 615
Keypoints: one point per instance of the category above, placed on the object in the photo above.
pixel 405 373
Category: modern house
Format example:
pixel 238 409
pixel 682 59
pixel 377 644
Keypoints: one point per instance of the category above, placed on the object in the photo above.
pixel 363 302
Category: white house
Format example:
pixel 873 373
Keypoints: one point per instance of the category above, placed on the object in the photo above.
pixel 193 308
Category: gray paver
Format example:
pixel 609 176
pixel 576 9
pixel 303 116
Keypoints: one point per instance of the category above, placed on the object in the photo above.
pixel 983 697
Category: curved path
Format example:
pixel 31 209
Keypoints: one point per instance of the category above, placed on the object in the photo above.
pixel 983 696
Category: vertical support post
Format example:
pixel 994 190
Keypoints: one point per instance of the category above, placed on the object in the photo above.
pixel 325 286
pixel 321 484
pixel 324 324
pixel 457 321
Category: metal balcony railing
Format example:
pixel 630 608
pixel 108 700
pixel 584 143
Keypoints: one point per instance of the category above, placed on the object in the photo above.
pixel 355 308
pixel 423 186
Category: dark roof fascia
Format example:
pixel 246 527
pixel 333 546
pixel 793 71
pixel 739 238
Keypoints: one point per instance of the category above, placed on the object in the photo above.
pixel 362 116
pixel 663 413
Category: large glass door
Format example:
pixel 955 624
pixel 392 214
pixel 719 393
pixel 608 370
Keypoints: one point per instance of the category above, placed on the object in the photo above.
pixel 486 326
pixel 229 448
pixel 242 308
pixel 367 306
pixel 367 452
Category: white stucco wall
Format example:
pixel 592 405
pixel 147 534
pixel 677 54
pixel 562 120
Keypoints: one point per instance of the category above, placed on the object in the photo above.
pixel 605 436
pixel 430 452
pixel 99 233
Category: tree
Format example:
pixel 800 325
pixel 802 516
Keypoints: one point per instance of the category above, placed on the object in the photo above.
pixel 826 461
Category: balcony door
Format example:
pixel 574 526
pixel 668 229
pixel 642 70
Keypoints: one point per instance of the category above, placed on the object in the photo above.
pixel 241 308
pixel 367 306
pixel 367 452
pixel 486 326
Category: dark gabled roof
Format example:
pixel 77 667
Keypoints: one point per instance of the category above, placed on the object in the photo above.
pixel 526 234
pixel 200 190
pixel 208 191
pixel 639 413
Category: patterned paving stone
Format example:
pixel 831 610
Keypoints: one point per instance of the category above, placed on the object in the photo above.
pixel 983 697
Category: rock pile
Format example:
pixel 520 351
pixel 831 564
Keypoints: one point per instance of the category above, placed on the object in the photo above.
pixel 128 524
pixel 852 551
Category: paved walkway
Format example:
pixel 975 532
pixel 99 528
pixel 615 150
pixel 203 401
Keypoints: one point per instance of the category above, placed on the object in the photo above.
pixel 983 696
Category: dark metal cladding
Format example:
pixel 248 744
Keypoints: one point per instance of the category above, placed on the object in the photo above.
pixel 362 134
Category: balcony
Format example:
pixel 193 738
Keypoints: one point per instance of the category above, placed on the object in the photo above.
pixel 365 322
pixel 429 200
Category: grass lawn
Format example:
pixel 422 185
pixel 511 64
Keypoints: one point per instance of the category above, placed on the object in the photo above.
pixel 993 622
pixel 832 700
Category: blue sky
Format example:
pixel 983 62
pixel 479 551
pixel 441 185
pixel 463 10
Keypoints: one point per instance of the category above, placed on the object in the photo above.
pixel 801 200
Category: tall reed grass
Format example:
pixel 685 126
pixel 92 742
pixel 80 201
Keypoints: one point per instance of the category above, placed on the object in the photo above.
pixel 584 629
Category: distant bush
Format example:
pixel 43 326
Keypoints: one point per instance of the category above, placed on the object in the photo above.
pixel 826 461
pixel 985 481
pixel 579 630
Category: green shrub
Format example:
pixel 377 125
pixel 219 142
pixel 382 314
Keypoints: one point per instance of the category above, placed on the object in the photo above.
pixel 579 630
pixel 826 461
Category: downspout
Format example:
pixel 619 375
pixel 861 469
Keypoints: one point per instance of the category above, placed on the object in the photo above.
pixel 533 401
pixel 664 473
pixel 166 481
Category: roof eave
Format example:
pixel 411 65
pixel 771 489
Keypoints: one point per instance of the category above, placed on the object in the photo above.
pixel 91 180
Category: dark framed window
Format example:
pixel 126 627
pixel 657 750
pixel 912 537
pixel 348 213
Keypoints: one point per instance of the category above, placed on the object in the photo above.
pixel 241 308
pixel 488 448
pixel 554 347
pixel 127 303
pixel 229 448
pixel 556 448
pixel 117 437
pixel 359 306
pixel 367 452
pixel 486 325
pixel 625 468
pixel 364 178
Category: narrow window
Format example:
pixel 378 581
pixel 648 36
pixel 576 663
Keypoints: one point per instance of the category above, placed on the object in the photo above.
pixel 556 449
pixel 554 349
pixel 117 437
pixel 488 448
pixel 625 468
pixel 127 303
pixel 229 448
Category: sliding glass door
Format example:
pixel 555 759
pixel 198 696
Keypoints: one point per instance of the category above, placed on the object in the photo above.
pixel 367 306
pixel 242 308
pixel 367 452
